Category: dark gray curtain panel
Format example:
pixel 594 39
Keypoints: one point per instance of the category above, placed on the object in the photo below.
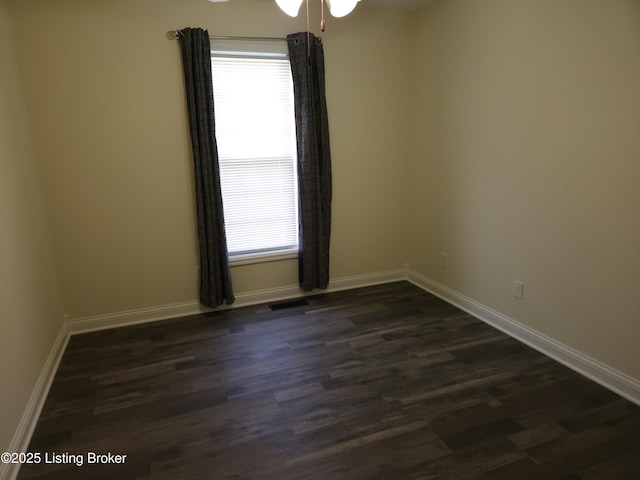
pixel 215 277
pixel 314 159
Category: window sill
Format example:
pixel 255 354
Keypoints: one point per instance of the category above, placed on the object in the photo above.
pixel 237 260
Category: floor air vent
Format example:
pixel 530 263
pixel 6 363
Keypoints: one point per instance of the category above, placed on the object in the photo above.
pixel 288 304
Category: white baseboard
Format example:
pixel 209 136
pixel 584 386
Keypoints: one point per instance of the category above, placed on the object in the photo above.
pixel 30 417
pixel 367 280
pixel 134 317
pixel 152 314
pixel 27 425
pixel 615 381
pixel 608 377
pixel 335 285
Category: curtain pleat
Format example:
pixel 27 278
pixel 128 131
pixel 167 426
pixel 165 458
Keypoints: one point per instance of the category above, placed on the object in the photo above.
pixel 215 277
pixel 314 159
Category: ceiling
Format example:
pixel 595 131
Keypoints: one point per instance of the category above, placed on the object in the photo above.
pixel 406 5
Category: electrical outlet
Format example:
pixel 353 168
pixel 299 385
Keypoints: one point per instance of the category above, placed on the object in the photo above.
pixel 444 260
pixel 518 289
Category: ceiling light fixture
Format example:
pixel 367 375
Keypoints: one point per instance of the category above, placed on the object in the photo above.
pixel 290 7
pixel 338 8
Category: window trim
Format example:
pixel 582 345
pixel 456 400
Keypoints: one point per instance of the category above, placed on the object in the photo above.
pixel 267 257
pixel 258 49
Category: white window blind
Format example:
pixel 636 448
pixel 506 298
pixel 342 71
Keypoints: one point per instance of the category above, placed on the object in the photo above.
pixel 255 132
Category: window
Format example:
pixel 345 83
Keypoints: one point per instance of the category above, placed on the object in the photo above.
pixel 255 131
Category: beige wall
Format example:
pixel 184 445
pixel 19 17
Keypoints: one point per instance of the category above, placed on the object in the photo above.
pixel 106 95
pixel 527 152
pixel 30 307
pixel 517 156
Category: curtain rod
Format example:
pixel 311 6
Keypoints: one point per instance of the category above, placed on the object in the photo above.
pixel 174 34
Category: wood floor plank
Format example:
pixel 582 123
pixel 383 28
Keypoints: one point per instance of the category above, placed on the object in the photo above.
pixel 385 382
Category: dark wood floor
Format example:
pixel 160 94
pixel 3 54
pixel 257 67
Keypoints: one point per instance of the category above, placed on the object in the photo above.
pixel 385 382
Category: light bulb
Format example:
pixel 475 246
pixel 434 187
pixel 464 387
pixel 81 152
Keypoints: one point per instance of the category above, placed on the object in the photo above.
pixel 340 8
pixel 290 7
